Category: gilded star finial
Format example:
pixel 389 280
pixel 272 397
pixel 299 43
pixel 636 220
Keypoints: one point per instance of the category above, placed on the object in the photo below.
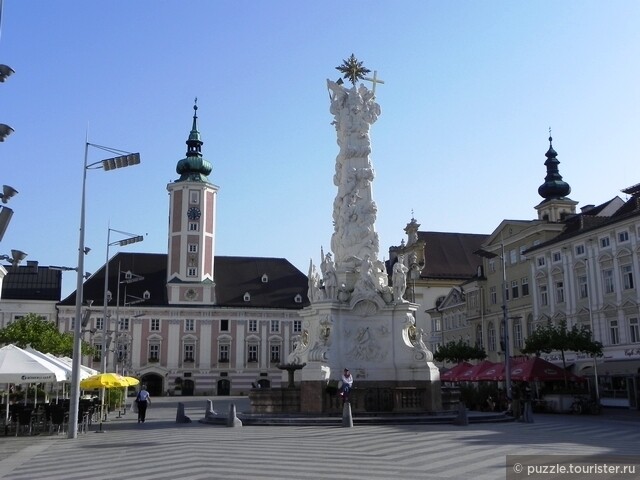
pixel 352 69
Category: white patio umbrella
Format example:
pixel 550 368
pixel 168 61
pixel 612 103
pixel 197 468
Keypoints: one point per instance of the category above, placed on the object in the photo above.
pixel 19 366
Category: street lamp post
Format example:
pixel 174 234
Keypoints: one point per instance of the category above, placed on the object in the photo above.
pixel 505 319
pixel 593 332
pixel 121 161
pixel 106 321
pixel 131 238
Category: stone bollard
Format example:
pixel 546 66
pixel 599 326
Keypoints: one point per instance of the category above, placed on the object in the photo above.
pixel 462 419
pixel 232 419
pixel 347 419
pixel 210 412
pixel 180 416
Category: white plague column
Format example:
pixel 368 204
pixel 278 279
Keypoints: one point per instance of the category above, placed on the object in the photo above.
pixel 354 239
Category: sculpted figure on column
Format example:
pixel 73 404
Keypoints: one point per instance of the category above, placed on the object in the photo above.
pixel 354 211
pixel 399 279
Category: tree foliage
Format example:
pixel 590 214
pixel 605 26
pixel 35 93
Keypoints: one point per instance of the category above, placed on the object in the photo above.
pixel 549 338
pixel 459 351
pixel 33 330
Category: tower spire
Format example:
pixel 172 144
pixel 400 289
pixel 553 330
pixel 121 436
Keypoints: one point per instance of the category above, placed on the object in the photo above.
pixel 194 167
pixel 553 187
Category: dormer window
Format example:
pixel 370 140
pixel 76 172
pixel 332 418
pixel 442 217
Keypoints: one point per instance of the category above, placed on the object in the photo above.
pixel 297 298
pixel 146 295
pixel 247 297
pixel 265 278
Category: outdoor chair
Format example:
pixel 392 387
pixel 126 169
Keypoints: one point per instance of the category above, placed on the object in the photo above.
pixel 58 419
pixel 24 420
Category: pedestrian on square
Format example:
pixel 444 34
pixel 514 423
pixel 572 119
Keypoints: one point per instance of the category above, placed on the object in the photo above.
pixel 347 383
pixel 144 401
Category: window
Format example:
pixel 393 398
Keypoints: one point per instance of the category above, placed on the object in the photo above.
pixel 194 197
pixel 122 352
pixel 73 322
pixel 155 325
pixel 189 352
pixel 297 326
pixel 544 295
pixel 580 250
pixel 491 337
pixel 623 237
pixel 506 292
pixel 253 325
pixel 98 355
pixel 193 248
pixel 472 299
pixel 583 289
pixel 224 325
pixel 613 332
pixel 154 352
pixel 634 330
pixel 252 352
pixel 517 333
pixel 192 272
pixel 124 324
pixel 559 292
pixel 607 281
pixel 529 326
pixel 604 242
pixel 189 325
pixel 492 265
pixel 522 255
pixel 99 324
pixel 275 326
pixel 493 295
pixel 514 289
pixel 540 261
pixel 513 257
pixel 525 286
pixel 437 324
pixel 478 336
pixel 627 277
pixel 556 257
pixel 274 355
pixel 193 226
pixel 223 353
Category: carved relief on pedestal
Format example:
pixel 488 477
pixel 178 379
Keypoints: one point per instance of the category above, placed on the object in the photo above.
pixel 366 347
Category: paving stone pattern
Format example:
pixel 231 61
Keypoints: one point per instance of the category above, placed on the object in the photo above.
pixel 162 449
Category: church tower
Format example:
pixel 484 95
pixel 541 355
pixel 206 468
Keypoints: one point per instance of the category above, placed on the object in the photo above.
pixel 556 206
pixel 192 226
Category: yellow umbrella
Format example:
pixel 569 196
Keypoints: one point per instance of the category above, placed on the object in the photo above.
pixel 107 380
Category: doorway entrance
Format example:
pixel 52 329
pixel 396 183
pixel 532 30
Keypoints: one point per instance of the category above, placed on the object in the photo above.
pixel 154 383
pixel 224 387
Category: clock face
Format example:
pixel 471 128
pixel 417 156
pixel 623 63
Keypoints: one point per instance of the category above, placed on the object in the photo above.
pixel 193 213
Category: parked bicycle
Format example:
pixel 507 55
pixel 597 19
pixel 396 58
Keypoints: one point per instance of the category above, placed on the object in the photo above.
pixel 585 405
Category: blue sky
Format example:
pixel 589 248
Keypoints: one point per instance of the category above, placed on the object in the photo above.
pixel 470 91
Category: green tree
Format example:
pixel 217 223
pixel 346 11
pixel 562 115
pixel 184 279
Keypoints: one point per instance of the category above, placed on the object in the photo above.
pixel 33 330
pixel 549 338
pixel 459 351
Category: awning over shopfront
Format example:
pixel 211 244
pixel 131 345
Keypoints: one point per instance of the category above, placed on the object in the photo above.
pixel 613 367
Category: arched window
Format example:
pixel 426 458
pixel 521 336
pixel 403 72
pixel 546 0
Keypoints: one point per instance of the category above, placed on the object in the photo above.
pixel 491 337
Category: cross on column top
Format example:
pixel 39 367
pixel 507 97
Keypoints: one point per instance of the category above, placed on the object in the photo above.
pixel 374 80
